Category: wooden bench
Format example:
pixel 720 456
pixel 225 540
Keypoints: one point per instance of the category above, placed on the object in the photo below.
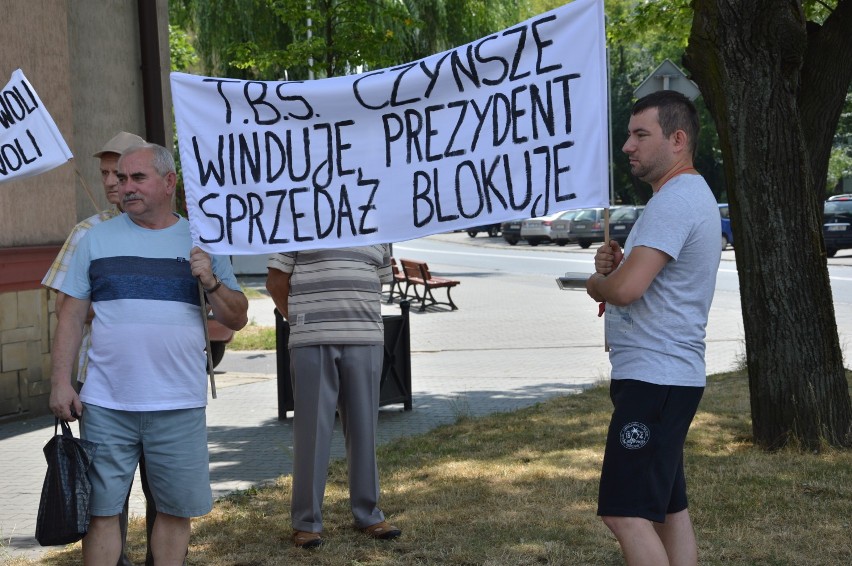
pixel 417 275
pixel 396 284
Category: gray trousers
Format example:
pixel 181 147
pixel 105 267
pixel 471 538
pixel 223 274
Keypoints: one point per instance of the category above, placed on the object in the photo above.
pixel 325 378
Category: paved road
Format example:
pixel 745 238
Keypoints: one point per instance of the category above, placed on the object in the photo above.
pixel 516 339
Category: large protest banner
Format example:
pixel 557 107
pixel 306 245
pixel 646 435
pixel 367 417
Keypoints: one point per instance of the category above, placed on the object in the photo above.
pixel 30 142
pixel 512 125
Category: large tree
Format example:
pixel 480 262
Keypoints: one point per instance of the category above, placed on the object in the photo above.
pixel 775 84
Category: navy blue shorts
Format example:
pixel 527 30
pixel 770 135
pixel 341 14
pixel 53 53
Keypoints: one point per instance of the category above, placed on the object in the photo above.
pixel 642 474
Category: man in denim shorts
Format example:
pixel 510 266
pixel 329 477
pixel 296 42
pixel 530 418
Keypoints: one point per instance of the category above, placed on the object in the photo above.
pixel 146 385
pixel 108 158
pixel 658 292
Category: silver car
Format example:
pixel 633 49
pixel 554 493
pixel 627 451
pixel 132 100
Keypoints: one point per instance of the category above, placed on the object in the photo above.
pixel 537 230
pixel 560 230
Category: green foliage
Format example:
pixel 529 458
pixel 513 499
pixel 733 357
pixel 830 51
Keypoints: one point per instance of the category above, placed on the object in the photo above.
pixel 180 192
pixel 653 30
pixel 640 36
pixel 220 30
pixel 182 53
pixel 472 19
pixel 339 36
pixel 269 39
pixel 840 162
pixel 843 137
pixel 446 24
pixel 839 167
pixel 818 10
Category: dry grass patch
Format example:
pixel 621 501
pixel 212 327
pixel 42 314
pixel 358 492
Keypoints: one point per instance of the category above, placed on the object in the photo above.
pixel 521 489
pixel 254 337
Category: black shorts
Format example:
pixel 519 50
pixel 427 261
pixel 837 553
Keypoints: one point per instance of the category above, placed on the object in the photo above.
pixel 642 474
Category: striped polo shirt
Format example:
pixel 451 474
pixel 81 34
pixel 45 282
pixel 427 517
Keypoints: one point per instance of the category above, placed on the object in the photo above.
pixel 335 294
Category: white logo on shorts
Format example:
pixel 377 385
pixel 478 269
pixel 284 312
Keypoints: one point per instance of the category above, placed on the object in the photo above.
pixel 634 436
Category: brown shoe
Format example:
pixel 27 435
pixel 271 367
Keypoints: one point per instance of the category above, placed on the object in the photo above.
pixel 383 531
pixel 305 539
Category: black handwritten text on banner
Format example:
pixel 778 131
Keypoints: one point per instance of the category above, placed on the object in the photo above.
pixel 509 126
pixel 30 142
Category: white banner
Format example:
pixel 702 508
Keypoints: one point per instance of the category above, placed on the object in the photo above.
pixel 30 142
pixel 512 125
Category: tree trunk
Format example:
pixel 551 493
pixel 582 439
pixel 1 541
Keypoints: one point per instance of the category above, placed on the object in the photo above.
pixel 747 56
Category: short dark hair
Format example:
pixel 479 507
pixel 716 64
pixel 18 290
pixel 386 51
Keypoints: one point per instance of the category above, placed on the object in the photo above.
pixel 676 112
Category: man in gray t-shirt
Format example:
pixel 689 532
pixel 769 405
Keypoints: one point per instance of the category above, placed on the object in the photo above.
pixel 659 337
pixel 658 292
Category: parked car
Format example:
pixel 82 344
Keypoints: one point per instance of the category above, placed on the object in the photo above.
pixel 840 197
pixel 560 230
pixel 727 233
pixel 621 221
pixel 837 226
pixel 493 230
pixel 537 230
pixel 511 231
pixel 587 226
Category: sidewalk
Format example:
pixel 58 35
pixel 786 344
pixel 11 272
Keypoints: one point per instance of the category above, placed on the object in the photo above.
pixel 515 341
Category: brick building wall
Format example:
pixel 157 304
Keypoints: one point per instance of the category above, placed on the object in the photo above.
pixel 26 329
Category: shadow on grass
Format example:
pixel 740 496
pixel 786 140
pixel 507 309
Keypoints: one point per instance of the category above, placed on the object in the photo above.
pixel 521 488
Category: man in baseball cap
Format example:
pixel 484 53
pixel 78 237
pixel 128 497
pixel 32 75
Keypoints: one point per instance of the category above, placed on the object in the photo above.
pixel 109 155
pixel 119 143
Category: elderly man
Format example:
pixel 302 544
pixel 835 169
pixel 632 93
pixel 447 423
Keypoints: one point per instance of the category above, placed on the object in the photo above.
pixel 108 161
pixel 146 387
pixel 332 301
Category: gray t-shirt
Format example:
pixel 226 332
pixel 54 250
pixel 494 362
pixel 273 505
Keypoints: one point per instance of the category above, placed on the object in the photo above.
pixel 659 338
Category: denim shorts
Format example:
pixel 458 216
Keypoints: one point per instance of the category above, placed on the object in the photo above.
pixel 176 460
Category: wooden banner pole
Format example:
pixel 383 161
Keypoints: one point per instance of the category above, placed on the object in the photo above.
pixel 88 191
pixel 207 338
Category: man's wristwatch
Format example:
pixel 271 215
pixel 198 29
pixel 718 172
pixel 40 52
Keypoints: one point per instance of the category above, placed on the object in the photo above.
pixel 215 287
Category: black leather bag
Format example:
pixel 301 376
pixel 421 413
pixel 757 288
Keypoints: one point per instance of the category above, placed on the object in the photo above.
pixel 63 512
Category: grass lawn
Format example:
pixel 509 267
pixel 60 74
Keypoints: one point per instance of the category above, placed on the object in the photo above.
pixel 254 337
pixel 521 488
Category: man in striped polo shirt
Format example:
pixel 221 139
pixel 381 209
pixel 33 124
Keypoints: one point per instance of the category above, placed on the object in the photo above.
pixel 332 301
